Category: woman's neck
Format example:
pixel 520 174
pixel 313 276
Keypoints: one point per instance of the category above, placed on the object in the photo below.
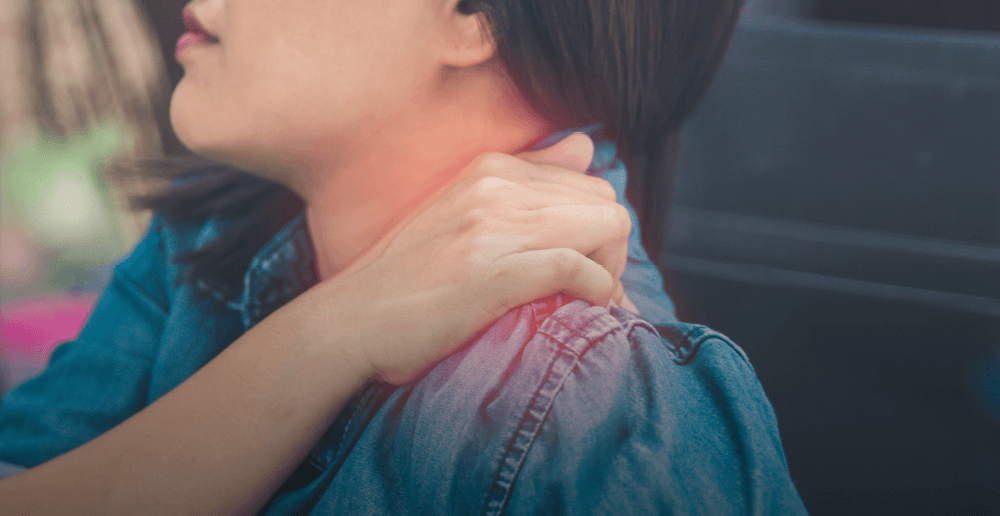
pixel 385 177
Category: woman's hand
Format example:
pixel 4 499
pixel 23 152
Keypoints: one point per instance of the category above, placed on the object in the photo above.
pixel 506 231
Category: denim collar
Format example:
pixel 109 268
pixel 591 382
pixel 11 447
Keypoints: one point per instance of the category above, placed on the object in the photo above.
pixel 286 266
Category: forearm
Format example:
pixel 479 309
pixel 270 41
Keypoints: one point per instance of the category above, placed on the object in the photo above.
pixel 221 442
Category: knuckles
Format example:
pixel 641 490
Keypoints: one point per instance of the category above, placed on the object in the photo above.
pixel 625 219
pixel 496 163
pixel 566 266
pixel 606 189
pixel 492 189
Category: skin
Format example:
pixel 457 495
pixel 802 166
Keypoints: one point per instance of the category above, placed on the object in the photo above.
pixel 397 131
pixel 280 385
pixel 390 100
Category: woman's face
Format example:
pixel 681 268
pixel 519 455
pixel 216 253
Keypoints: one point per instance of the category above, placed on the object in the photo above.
pixel 290 82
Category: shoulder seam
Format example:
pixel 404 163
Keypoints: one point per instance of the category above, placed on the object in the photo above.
pixel 557 373
pixel 528 428
pixel 691 339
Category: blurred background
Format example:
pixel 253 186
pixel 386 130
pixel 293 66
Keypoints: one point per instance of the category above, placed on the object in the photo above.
pixel 82 88
pixel 835 212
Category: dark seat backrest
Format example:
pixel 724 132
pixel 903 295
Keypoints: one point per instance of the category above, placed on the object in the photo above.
pixel 837 212
pixel 873 144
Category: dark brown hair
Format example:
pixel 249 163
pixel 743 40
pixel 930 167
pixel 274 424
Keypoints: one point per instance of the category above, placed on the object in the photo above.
pixel 637 66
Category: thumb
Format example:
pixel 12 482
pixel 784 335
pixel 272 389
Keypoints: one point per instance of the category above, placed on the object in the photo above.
pixel 574 152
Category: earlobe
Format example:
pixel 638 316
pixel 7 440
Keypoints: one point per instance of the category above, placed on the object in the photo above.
pixel 473 40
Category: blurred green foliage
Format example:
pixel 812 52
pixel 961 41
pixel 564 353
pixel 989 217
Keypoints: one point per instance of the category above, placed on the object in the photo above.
pixel 59 212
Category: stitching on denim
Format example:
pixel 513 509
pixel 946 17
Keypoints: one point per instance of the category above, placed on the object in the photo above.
pixel 261 261
pixel 691 341
pixel 527 430
pixel 541 403
pixel 577 333
pixel 635 323
pixel 362 412
pixel 287 270
pixel 348 427
pixel 712 334
pixel 690 345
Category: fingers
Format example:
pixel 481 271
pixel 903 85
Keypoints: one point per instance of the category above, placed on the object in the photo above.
pixel 524 277
pixel 533 175
pixel 598 232
pixel 613 255
pixel 574 152
pixel 618 294
pixel 496 191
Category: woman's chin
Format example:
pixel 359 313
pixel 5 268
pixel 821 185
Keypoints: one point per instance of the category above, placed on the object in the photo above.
pixel 200 147
pixel 204 134
pixel 197 140
pixel 195 127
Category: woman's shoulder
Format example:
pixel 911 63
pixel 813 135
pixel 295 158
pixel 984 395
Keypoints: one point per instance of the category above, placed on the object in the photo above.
pixel 580 343
pixel 606 412
pixel 578 365
pixel 563 404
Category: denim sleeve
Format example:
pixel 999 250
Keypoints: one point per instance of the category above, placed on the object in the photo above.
pixel 99 379
pixel 561 408
pixel 665 420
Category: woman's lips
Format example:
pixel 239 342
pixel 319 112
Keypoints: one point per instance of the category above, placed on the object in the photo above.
pixel 192 38
pixel 195 35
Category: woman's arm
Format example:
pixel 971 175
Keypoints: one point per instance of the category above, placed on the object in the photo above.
pixel 507 232
pixel 221 442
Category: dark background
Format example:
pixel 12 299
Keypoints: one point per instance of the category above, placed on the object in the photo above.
pixel 979 15
pixel 836 213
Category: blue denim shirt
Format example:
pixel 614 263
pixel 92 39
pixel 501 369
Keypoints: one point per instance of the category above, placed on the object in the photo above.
pixel 558 407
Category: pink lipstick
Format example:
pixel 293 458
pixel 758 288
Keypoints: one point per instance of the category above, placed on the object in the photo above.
pixel 196 33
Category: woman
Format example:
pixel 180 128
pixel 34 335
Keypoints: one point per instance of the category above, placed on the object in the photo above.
pixel 389 334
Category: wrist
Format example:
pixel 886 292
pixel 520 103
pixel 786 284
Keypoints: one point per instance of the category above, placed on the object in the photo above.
pixel 331 329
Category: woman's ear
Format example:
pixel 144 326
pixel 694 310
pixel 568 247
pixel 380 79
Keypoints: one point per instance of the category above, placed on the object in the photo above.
pixel 471 42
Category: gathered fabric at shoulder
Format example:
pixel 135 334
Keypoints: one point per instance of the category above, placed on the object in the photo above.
pixel 561 407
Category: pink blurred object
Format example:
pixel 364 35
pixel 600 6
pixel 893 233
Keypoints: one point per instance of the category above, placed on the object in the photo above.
pixel 31 329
